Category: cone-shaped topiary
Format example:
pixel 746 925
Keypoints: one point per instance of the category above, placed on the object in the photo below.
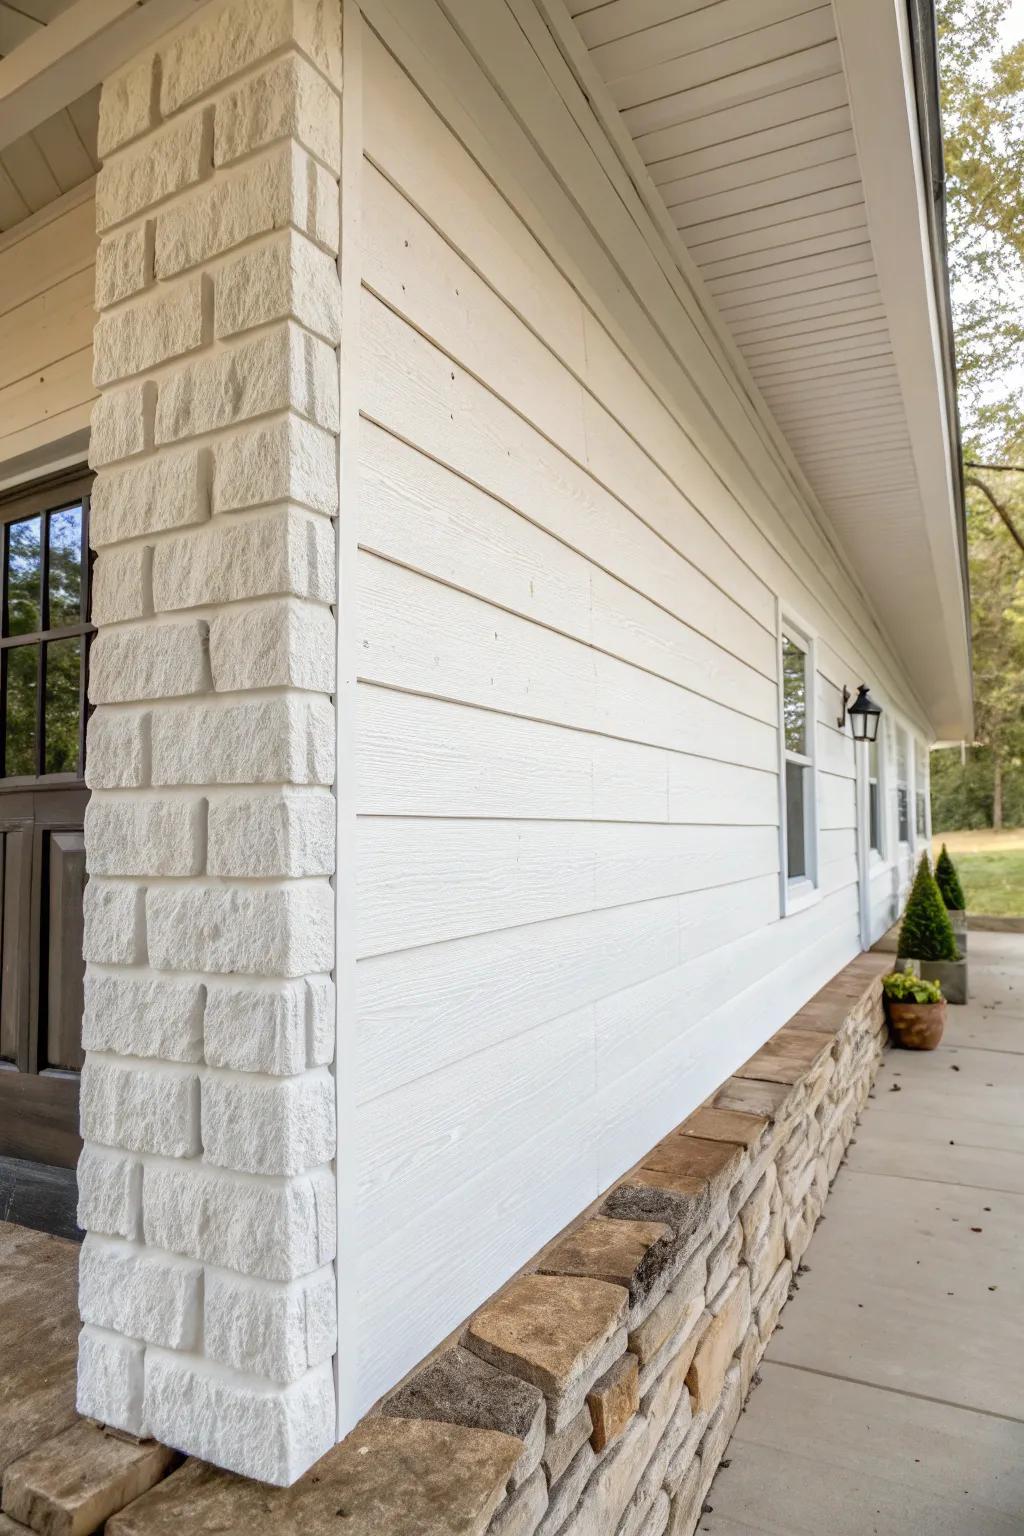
pixel 948 882
pixel 926 932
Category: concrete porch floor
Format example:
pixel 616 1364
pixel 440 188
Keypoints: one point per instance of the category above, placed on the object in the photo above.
pixel 892 1396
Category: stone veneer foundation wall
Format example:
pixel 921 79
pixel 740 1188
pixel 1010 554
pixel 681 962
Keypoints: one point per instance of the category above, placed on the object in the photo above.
pixel 595 1395
pixel 208 1105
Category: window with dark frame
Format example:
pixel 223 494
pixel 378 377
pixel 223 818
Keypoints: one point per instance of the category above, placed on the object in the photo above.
pixel 902 787
pixel 920 790
pixel 44 635
pixel 799 761
pixel 874 799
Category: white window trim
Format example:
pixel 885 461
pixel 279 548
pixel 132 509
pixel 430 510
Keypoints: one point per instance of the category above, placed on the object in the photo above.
pixel 908 735
pixel 878 856
pixel 798 894
pixel 921 839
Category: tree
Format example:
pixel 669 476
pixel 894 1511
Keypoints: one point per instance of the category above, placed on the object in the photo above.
pixel 926 932
pixel 948 882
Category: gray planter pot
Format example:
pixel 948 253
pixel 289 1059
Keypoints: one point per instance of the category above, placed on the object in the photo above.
pixel 912 967
pixel 958 922
pixel 951 976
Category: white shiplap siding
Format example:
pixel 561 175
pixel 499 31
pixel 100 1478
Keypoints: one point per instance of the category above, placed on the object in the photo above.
pixel 567 896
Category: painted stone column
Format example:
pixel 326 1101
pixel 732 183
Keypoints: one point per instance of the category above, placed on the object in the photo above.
pixel 208 1106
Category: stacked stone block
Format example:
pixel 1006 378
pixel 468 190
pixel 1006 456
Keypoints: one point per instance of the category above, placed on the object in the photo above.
pixel 208 1103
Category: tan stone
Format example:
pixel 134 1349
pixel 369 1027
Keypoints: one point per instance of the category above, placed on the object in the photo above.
pixel 787 1058
pixel 628 1253
pixel 680 1347
pixel 718 1163
pixel 748 1355
pixel 69 1485
pixel 39 1327
pixel 719 1430
pixel 774 1298
pixel 754 1214
pixel 560 1449
pixel 523 1510
pixel 614 1400
pixel 725 1125
pixel 723 1259
pixel 716 1349
pixel 549 1329
pixel 753 1097
pixel 390 1477
pixel 647 1338
pixel 767 1256
pixel 687 1502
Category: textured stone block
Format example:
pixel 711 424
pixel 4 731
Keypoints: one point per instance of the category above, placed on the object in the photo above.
pixel 115 923
pixel 128 105
pixel 285 368
pixel 268 553
pixel 718 1163
pixel 613 1400
pixel 284 187
pixel 141 1109
pixel 276 832
pixel 144 837
pixel 754 1215
pixel 272 1328
pixel 281 1125
pixel 726 1125
pixel 288 459
pixel 267 930
pixel 773 1299
pixel 723 1337
pixel 752 1097
pixel 723 1259
pixel 647 1337
pixel 140 1293
pixel 109 1192
pixel 280 1027
pixel 767 1256
pixel 121 425
pixel 679 1202
pixel 281 643
pixel 70 1484
pixel 138 336
pixel 522 1510
pixel 117 753
pixel 121 585
pixel 284 278
pixel 281 740
pixel 155 1016
pixel 687 1502
pixel 719 1431
pixel 124 263
pixel 238 1422
pixel 169 491
pixel 151 661
pixel 680 1347
pixel 565 1493
pixel 457 1387
pixel 171 159
pixel 633 1254
pixel 233 38
pixel 550 1330
pixel 287 99
pixel 110 1379
pixel 276 1229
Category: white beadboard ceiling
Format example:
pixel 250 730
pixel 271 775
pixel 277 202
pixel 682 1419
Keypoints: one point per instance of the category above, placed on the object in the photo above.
pixel 61 153
pixel 741 113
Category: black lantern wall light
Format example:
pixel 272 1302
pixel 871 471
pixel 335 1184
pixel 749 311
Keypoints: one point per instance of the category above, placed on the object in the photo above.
pixel 864 714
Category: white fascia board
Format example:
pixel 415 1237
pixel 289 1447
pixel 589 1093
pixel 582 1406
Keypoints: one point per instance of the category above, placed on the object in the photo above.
pixel 874 39
pixel 76 51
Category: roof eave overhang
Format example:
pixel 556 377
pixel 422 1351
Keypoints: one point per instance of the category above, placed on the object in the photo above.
pixel 889 59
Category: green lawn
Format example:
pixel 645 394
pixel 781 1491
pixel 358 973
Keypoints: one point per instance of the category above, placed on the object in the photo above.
pixel 993 882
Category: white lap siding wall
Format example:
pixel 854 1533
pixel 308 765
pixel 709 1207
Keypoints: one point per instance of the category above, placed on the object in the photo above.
pixel 206 1182
pixel 572 541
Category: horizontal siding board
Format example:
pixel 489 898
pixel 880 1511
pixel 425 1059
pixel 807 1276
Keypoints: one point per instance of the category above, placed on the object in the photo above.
pixel 416 634
pixel 464 877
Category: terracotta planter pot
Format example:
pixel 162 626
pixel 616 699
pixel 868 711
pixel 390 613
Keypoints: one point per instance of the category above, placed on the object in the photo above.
pixel 916 1026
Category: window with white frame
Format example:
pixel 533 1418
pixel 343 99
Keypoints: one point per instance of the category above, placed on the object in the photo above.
pixel 797 728
pixel 875 802
pixel 902 786
pixel 920 790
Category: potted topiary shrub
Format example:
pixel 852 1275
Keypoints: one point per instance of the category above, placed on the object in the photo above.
pixel 916 1010
pixel 952 893
pixel 926 935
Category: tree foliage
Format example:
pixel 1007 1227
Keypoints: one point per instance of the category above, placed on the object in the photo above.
pixel 948 882
pixel 926 932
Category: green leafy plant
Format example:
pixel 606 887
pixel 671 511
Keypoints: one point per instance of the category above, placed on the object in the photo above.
pixel 904 987
pixel 948 882
pixel 926 932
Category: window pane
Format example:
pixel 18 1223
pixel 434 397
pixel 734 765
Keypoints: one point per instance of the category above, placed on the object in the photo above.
pixel 24 566
pixel 796 842
pixel 20 674
pixel 902 813
pixel 65 576
pixel 794 696
pixel 874 827
pixel 63 669
pixel 872 759
pixel 901 755
pixel 921 814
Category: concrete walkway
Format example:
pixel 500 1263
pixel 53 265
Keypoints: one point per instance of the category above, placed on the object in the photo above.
pixel 892 1396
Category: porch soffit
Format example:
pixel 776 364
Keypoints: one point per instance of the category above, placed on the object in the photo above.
pixel 744 114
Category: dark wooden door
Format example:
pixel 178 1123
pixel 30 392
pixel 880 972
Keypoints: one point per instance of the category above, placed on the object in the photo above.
pixel 44 639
